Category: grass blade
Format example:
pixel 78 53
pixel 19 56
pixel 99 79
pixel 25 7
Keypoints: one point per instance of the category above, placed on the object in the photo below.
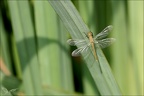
pixel 55 65
pixel 137 29
pixel 75 25
pixel 24 35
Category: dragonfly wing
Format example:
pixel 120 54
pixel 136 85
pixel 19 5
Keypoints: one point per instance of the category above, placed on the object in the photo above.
pixel 106 42
pixel 75 42
pixel 103 33
pixel 80 50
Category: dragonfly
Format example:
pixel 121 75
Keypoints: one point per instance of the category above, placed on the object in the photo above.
pixel 98 39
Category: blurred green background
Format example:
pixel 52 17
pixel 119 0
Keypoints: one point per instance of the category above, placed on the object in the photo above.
pixel 35 58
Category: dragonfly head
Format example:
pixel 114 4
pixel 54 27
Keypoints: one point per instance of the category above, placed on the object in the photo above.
pixel 90 34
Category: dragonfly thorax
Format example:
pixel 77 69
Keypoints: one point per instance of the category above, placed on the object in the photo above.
pixel 90 34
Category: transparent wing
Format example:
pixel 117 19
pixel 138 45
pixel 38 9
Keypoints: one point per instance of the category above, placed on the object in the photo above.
pixel 103 33
pixel 76 42
pixel 80 50
pixel 105 42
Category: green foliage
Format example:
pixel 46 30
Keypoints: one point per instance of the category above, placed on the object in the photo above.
pixel 33 47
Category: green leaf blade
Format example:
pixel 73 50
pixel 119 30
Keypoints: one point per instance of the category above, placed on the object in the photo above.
pixel 75 25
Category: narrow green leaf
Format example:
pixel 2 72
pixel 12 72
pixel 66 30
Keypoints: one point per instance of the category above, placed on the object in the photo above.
pixel 4 47
pixel 66 67
pixel 24 36
pixel 73 22
pixel 55 65
pixel 136 17
pixel 40 10
pixel 120 65
pixel 127 53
